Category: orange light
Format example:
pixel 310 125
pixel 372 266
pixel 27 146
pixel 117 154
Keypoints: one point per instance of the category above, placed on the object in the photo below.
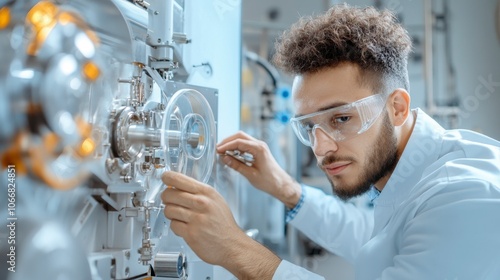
pixel 88 145
pixel 86 148
pixel 91 71
pixel 50 142
pixel 42 14
pixel 66 17
pixel 40 38
pixel 4 17
pixel 84 128
pixel 93 37
pixel 40 168
pixel 14 155
pixel 43 19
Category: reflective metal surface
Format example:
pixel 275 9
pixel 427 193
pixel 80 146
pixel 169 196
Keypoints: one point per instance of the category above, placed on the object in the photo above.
pixel 96 105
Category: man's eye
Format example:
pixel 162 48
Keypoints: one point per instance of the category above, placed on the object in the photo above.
pixel 340 119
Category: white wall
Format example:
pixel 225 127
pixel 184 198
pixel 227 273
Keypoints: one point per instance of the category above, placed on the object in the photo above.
pixel 215 29
pixel 477 55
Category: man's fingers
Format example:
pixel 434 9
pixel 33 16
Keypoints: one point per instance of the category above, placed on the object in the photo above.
pixel 179 228
pixel 237 165
pixel 243 145
pixel 181 198
pixel 181 182
pixel 177 213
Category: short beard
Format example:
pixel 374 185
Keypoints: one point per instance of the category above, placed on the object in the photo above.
pixel 379 163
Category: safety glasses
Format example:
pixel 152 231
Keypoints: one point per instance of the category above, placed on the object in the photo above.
pixel 340 123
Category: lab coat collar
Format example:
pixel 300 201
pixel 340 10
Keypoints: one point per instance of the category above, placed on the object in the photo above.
pixel 420 152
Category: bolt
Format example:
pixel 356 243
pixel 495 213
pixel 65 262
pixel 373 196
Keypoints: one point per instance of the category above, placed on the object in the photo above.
pixel 120 217
pixel 127 255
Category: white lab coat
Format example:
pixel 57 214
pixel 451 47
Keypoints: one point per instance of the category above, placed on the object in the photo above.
pixel 438 216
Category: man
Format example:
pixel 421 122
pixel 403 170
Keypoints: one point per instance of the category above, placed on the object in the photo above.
pixel 436 192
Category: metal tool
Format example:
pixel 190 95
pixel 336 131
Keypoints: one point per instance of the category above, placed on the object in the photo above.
pixel 244 157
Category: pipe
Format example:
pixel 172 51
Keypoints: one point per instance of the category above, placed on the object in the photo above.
pixel 428 60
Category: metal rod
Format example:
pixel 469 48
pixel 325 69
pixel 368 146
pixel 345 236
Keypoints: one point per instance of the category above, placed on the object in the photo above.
pixel 152 137
pixel 428 60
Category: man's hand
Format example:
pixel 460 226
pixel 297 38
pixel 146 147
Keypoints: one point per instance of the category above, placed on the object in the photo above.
pixel 265 173
pixel 200 215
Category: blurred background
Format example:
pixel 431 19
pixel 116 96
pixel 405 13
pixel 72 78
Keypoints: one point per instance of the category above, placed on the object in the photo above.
pixel 454 76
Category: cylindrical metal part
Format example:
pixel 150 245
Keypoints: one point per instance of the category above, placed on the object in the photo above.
pixel 152 137
pixel 139 91
pixel 121 147
pixel 193 139
pixel 161 28
pixel 173 265
pixel 142 134
pixel 151 120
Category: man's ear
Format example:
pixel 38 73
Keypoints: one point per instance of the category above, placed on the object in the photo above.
pixel 399 106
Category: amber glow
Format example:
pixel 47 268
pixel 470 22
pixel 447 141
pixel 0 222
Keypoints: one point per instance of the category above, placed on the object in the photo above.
pixel 88 145
pixel 4 17
pixel 91 71
pixel 14 154
pixel 42 18
pixel 50 142
pixel 39 167
pixel 86 148
pixel 84 128
pixel 42 14
pixel 66 17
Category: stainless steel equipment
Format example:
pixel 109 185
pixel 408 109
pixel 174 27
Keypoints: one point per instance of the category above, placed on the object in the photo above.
pixel 96 105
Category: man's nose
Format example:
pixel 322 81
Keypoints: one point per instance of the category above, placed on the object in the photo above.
pixel 322 142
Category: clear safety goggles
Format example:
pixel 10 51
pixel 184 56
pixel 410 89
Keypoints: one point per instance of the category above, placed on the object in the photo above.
pixel 340 123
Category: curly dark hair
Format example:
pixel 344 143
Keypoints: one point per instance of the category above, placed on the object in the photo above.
pixel 371 39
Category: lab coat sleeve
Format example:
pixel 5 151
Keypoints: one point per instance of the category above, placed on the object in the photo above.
pixel 289 271
pixel 341 228
pixel 453 235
